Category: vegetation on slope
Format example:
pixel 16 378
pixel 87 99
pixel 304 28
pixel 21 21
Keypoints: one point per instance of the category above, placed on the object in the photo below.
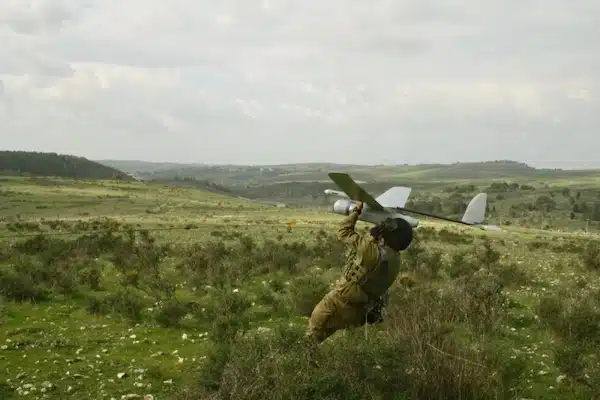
pixel 142 167
pixel 202 185
pixel 225 318
pixel 245 176
pixel 52 164
pixel 111 299
pixel 518 193
pixel 530 198
pixel 572 204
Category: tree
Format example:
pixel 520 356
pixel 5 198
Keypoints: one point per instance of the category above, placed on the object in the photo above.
pixel 596 212
pixel 545 203
pixel 52 164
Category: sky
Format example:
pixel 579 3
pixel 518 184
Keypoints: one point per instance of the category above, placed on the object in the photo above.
pixel 285 81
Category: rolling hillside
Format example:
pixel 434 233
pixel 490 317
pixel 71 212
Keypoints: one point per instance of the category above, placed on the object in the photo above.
pixel 58 165
pixel 143 167
pixel 249 176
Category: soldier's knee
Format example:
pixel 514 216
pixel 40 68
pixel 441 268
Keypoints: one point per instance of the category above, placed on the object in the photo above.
pixel 315 335
pixel 320 323
pixel 321 313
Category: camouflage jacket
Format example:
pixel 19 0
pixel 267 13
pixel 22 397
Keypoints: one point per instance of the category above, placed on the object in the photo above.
pixel 370 269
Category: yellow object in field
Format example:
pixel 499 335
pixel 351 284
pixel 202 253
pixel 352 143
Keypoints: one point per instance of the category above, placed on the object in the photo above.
pixel 291 223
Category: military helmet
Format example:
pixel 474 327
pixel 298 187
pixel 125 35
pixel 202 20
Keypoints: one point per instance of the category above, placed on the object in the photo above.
pixel 396 232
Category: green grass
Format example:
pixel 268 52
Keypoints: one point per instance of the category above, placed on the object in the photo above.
pixel 83 355
pixel 219 310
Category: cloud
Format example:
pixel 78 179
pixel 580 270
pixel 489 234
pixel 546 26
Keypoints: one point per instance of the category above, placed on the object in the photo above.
pixel 36 16
pixel 293 81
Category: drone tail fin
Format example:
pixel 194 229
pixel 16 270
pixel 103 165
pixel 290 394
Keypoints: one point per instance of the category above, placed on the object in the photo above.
pixel 475 212
pixel 394 197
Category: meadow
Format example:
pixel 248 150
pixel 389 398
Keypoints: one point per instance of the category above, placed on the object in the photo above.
pixel 115 290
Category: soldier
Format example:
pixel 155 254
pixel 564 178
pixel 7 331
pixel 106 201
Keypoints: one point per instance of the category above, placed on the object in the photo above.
pixel 372 266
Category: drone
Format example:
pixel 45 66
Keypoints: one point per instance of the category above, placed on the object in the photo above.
pixel 391 204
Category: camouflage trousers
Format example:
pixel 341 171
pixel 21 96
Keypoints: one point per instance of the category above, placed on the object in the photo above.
pixel 334 313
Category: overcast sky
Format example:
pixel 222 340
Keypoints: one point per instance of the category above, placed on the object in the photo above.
pixel 279 81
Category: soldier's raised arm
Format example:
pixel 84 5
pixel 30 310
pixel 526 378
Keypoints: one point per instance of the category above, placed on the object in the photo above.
pixel 347 232
pixel 364 246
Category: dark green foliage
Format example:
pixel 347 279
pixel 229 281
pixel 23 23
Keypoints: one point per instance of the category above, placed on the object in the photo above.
pixel 443 335
pixel 417 356
pixel 52 164
pixel 573 315
pixel 590 255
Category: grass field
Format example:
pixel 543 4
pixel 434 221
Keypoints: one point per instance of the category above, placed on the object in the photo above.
pixel 117 290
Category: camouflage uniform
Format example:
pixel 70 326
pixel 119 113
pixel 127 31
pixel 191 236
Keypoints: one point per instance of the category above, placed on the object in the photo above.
pixel 370 270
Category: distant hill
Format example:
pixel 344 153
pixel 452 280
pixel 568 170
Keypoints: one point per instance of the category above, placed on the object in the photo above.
pixel 199 184
pixel 250 176
pixel 53 164
pixel 144 167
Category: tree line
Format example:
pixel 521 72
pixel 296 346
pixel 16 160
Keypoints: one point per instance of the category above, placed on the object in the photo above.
pixel 27 163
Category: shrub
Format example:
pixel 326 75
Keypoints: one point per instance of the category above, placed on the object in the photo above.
pixel 419 354
pixel 591 256
pixel 305 292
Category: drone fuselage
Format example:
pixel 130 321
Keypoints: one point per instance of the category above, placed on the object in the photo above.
pixel 345 207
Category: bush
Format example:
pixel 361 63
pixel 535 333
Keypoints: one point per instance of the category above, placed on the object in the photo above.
pixel 591 256
pixel 420 354
pixel 305 292
pixel 129 302
pixel 574 318
pixel 443 335
pixel 170 313
pixel 455 238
